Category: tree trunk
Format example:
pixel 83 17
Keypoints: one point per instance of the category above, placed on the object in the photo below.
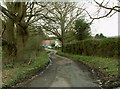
pixel 9 48
pixel 21 36
pixel 63 31
pixel 62 42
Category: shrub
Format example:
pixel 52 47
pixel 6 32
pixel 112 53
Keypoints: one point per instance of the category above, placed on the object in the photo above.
pixel 107 47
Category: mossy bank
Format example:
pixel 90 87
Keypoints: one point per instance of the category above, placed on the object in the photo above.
pixel 21 72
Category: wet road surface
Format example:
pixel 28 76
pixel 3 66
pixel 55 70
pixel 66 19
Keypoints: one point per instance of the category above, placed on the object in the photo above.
pixel 63 72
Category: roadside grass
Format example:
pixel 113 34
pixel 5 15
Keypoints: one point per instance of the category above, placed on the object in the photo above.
pixel 0 66
pixel 11 76
pixel 108 66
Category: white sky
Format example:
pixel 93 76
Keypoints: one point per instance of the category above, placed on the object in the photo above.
pixel 107 26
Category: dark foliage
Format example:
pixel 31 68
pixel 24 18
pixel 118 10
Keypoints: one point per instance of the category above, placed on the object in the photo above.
pixel 107 47
pixel 82 29
pixel 99 36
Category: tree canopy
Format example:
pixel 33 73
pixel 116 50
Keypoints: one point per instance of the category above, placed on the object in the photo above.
pixel 82 29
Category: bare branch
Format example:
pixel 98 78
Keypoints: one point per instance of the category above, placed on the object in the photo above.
pixel 111 10
pixel 115 8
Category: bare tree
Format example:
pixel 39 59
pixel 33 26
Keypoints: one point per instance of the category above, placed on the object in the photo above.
pixel 59 17
pixel 108 6
pixel 17 17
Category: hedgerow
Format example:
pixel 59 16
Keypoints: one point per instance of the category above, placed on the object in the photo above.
pixel 107 47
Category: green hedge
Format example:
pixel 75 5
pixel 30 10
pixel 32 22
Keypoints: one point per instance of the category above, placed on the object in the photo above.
pixel 107 47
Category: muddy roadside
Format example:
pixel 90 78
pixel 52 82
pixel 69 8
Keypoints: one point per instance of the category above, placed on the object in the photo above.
pixel 64 73
pixel 28 77
pixel 104 79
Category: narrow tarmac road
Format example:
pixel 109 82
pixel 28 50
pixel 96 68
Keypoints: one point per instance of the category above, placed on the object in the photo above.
pixel 63 73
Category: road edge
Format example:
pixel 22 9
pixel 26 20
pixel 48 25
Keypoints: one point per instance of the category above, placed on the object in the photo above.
pixel 31 76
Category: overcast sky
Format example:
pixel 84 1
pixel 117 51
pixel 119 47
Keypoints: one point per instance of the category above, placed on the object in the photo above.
pixel 107 26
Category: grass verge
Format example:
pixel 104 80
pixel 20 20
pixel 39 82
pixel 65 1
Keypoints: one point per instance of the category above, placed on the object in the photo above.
pixel 107 66
pixel 20 72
